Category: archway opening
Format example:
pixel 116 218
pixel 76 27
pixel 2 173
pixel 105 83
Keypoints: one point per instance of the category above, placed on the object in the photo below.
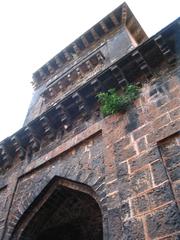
pixel 67 214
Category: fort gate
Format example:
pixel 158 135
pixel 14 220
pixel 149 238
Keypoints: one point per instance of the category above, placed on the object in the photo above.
pixel 70 173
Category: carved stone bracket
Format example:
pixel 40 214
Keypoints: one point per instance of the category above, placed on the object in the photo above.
pixel 47 127
pixel 165 50
pixel 118 75
pixel 114 19
pixel 60 116
pixel 97 86
pixel 19 149
pixel 5 157
pixel 143 65
pixel 81 102
pixel 79 71
pixel 104 27
pixel 64 115
pixel 34 142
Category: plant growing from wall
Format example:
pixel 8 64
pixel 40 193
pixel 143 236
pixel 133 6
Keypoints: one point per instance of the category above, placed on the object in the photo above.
pixel 111 102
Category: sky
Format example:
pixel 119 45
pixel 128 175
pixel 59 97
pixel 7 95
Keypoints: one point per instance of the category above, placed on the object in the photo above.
pixel 33 31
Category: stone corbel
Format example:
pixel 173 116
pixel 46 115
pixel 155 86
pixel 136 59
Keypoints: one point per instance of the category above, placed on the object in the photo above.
pixel 143 66
pixel 58 61
pixel 79 72
pixel 100 58
pixel 94 33
pixel 89 65
pixel 50 68
pixel 5 157
pixel 19 149
pixel 65 118
pixel 81 103
pixel 104 27
pixel 97 86
pixel 114 19
pixel 33 140
pixel 85 41
pixel 48 129
pixel 67 56
pixel 165 50
pixel 118 75
pixel 76 48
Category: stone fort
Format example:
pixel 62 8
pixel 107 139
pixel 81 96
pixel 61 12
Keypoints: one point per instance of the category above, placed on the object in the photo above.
pixel 71 174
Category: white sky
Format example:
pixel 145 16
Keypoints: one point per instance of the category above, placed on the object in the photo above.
pixel 33 31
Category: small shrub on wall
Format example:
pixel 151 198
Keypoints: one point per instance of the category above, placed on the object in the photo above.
pixel 111 102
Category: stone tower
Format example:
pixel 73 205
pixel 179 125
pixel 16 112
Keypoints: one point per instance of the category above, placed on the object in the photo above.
pixel 69 173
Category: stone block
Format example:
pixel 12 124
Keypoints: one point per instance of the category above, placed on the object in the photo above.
pixel 122 170
pixel 133 229
pixel 141 181
pixel 175 114
pixel 123 154
pixel 140 132
pixel 163 222
pixel 115 224
pixel 144 159
pixel 175 174
pixel 125 211
pixel 173 161
pixel 160 195
pixel 159 172
pixel 140 204
pixel 177 190
pixel 141 144
pixel 125 189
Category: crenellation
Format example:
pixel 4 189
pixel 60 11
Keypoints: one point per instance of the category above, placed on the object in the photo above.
pixel 104 27
pixel 85 41
pixel 95 34
pixel 114 19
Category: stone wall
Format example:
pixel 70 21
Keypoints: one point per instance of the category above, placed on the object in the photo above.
pixel 130 162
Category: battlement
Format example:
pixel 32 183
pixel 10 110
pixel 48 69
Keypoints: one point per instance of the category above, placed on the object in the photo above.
pixel 137 66
pixel 108 26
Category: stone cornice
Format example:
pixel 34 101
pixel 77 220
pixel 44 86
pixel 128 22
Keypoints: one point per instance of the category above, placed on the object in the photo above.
pixel 121 16
pixel 141 63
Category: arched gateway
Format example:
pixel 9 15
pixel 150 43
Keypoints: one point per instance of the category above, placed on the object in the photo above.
pixel 65 210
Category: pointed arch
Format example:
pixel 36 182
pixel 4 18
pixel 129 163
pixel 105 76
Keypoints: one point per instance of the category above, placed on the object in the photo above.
pixel 63 204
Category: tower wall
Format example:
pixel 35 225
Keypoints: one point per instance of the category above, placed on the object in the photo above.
pixel 127 162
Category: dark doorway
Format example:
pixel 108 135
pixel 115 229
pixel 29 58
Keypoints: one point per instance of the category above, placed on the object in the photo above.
pixel 67 215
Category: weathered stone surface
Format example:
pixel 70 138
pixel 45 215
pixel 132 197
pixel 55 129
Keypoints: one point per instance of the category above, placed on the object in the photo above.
pixel 123 154
pixel 133 229
pixel 144 159
pixel 140 204
pixel 115 224
pixel 159 172
pixel 163 222
pixel 175 174
pixel 173 161
pixel 160 195
pixel 85 177
pixel 141 181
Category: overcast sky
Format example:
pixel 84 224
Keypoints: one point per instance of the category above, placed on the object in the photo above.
pixel 33 31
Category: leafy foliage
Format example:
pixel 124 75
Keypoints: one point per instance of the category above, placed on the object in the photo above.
pixel 112 103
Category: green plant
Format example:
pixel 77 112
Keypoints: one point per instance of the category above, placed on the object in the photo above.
pixel 112 103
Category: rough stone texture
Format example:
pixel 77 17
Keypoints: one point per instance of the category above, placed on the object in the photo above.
pixel 163 222
pixel 136 184
pixel 123 170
